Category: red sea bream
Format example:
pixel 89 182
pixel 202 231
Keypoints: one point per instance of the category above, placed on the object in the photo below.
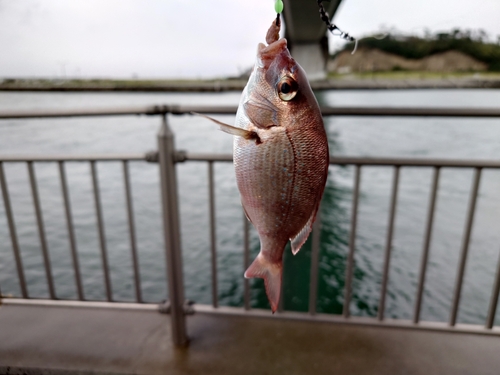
pixel 280 157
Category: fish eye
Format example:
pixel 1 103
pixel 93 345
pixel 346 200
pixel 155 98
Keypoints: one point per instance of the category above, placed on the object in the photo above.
pixel 287 88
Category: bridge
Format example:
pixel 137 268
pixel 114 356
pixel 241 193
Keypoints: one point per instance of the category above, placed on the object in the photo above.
pixel 307 34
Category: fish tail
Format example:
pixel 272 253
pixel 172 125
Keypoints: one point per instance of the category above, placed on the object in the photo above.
pixel 272 273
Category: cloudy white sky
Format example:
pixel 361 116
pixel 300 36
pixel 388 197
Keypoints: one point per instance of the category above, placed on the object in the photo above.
pixel 180 38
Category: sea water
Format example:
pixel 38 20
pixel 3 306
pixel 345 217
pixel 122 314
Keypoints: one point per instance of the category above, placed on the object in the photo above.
pixel 460 138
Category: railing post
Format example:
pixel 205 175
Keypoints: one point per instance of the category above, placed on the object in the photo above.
pixel 388 248
pixel 171 230
pixel 13 234
pixel 352 246
pixel 465 246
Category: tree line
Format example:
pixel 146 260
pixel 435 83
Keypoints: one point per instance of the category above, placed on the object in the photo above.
pixel 475 43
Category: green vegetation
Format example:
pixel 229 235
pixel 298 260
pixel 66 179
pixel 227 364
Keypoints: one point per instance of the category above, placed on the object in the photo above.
pixel 473 43
pixel 417 75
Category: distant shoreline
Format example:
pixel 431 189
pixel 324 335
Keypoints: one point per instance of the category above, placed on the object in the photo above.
pixel 378 81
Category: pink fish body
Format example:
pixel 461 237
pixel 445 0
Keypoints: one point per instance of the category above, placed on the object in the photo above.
pixel 281 161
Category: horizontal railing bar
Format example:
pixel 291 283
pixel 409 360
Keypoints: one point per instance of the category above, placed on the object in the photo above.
pixel 79 304
pixel 374 161
pixel 410 112
pixel 82 158
pixel 415 162
pixel 231 110
pixel 120 111
pixel 352 320
pixel 188 156
pixel 84 112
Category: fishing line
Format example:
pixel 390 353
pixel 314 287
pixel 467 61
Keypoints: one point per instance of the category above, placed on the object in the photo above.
pixel 323 14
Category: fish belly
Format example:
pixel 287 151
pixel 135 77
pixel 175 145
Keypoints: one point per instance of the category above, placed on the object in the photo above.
pixel 281 181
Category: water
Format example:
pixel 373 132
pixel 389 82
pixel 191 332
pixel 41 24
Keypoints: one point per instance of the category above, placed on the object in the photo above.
pixel 408 137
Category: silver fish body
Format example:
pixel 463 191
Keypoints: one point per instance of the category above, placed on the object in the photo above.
pixel 281 160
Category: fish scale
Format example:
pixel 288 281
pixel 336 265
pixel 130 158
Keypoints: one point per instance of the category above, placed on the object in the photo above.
pixel 267 163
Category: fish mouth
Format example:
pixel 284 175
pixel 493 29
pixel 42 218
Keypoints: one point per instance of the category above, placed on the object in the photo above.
pixel 266 54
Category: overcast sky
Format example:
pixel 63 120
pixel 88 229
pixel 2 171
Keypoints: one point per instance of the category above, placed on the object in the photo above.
pixel 197 38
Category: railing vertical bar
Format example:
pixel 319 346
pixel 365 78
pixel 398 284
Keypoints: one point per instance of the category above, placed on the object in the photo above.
pixel 490 320
pixel 71 231
pixel 281 302
pixel 171 229
pixel 352 244
pixel 390 231
pixel 246 260
pixel 131 226
pixel 102 237
pixel 313 280
pixel 465 246
pixel 213 238
pixel 13 235
pixel 427 243
pixel 41 230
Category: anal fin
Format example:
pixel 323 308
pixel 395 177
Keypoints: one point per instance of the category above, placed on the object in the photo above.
pixel 246 213
pixel 301 237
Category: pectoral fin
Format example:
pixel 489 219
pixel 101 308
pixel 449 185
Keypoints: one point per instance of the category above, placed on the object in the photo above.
pixel 226 128
pixel 261 114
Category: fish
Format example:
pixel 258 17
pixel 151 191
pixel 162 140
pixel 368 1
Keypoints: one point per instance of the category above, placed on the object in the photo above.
pixel 281 157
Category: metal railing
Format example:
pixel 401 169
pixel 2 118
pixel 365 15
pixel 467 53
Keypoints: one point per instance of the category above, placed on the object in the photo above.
pixel 167 156
pixel 61 161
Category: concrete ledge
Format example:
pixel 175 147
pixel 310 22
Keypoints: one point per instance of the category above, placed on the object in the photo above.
pixel 8 370
pixel 60 340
